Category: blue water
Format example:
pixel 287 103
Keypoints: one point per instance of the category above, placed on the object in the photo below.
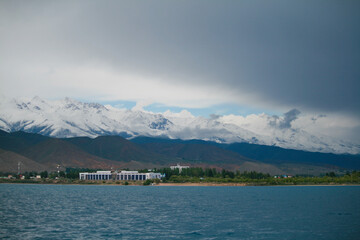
pixel 136 212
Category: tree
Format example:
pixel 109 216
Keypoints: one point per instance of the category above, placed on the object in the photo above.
pixel 53 175
pixel 331 174
pixel 62 174
pixel 147 182
pixel 223 173
pixel 44 174
pixel 209 172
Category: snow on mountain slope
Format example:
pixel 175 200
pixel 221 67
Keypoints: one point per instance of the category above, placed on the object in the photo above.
pixel 70 118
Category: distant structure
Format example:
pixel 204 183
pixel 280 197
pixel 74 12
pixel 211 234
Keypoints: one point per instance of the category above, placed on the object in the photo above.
pixel 19 168
pixel 123 175
pixel 178 166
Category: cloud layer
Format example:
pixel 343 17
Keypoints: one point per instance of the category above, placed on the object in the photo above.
pixel 274 56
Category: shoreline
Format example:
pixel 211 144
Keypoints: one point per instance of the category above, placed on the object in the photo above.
pixel 247 185
pixel 189 184
pixel 201 184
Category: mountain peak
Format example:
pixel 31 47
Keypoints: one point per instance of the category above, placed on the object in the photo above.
pixel 37 99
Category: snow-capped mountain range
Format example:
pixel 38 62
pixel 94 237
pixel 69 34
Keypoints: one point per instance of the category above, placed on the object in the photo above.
pixel 72 118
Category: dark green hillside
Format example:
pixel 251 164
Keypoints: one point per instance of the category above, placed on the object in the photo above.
pixel 3 133
pixel 277 155
pixel 56 151
pixel 9 163
pixel 118 149
pixel 296 160
pixel 19 141
pixel 203 153
pixel 194 151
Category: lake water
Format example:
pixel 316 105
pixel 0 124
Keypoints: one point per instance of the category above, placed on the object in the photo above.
pixel 137 212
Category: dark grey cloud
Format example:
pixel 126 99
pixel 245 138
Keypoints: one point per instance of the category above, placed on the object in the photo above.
pixel 314 119
pixel 285 121
pixel 214 116
pixel 289 117
pixel 303 54
pixel 196 132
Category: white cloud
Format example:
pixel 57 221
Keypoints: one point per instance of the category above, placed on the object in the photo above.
pixel 140 105
pixel 182 114
pixel 98 82
pixel 330 125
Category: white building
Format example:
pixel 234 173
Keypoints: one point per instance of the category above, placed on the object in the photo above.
pixel 99 175
pixel 123 175
pixel 178 166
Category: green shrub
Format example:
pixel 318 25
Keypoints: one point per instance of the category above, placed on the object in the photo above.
pixel 147 182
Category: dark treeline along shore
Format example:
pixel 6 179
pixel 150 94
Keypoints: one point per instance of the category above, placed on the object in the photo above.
pixel 188 175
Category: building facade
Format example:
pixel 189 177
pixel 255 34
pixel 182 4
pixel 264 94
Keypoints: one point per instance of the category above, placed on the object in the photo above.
pixel 123 175
pixel 99 175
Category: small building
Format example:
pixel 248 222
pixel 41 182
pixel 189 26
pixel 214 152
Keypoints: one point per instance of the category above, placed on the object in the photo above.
pixel 123 175
pixel 178 166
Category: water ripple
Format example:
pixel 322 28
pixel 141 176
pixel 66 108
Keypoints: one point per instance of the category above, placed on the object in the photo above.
pixel 134 212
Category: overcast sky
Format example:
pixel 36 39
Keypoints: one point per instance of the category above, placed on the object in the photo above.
pixel 270 56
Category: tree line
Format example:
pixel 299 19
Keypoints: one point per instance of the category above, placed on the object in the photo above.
pixel 70 173
pixel 199 172
pixel 226 176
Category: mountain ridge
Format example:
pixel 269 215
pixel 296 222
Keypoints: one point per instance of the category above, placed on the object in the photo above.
pixel 71 118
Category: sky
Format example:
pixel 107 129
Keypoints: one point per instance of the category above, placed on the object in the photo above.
pixel 210 57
